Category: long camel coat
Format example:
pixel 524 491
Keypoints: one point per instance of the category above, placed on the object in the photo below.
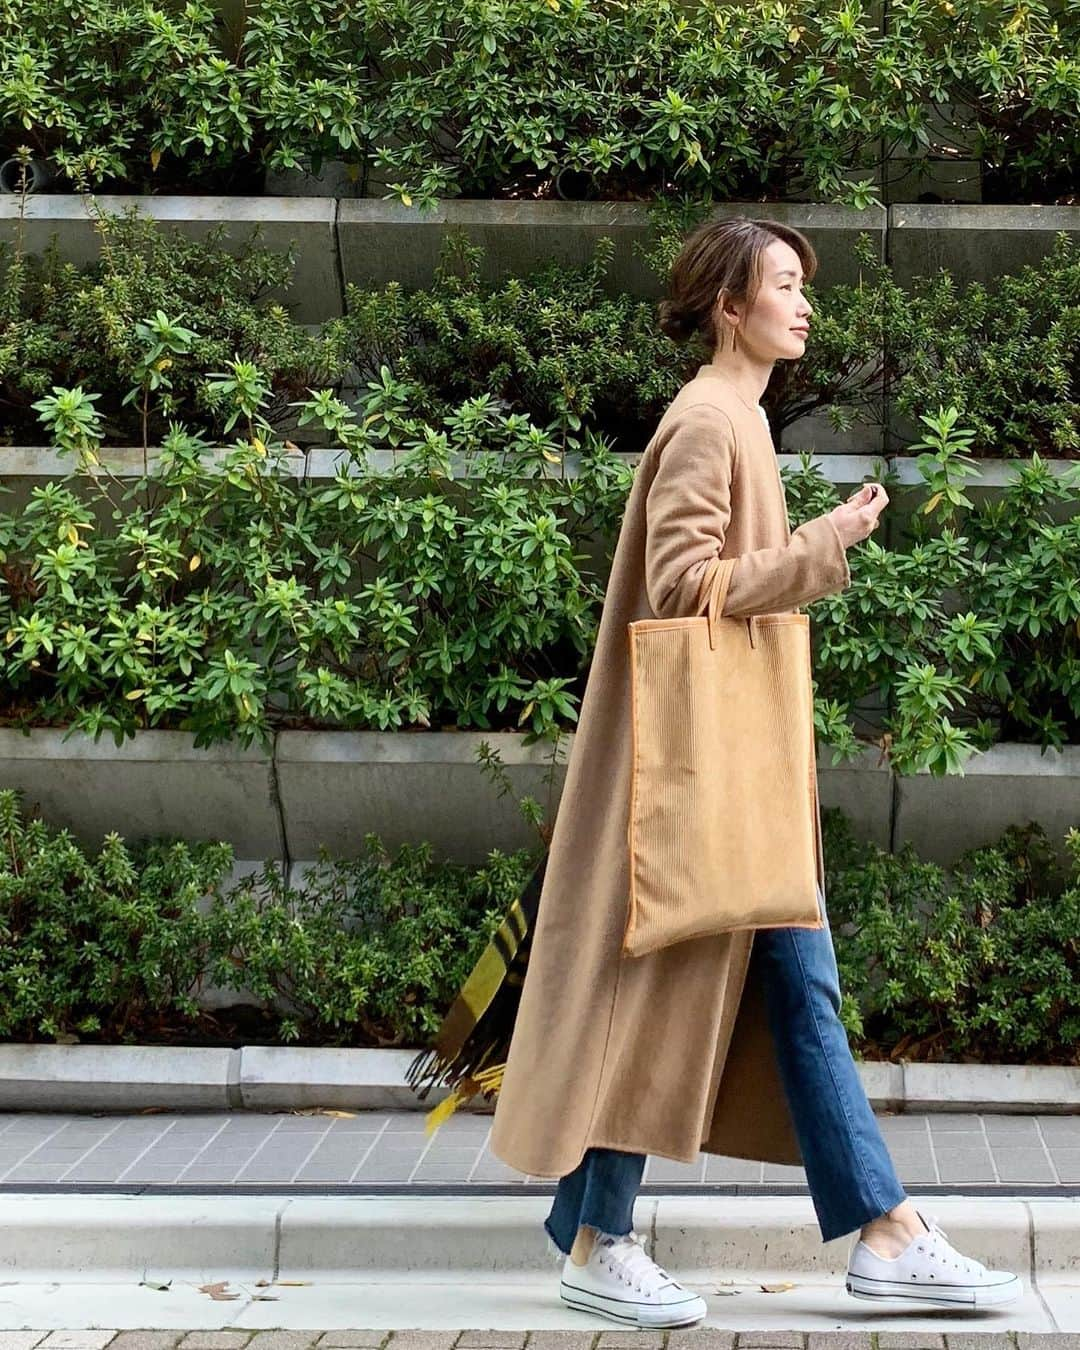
pixel 667 1053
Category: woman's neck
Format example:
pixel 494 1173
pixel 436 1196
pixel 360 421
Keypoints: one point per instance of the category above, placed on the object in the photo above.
pixel 749 377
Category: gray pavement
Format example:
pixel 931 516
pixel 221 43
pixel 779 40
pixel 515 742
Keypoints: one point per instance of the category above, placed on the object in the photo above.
pixel 693 1338
pixel 985 1154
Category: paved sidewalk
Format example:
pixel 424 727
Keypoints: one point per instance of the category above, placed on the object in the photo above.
pixel 981 1154
pixel 693 1338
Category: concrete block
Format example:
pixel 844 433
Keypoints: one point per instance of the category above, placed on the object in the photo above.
pixel 113 1239
pixel 1009 784
pixel 115 1077
pixel 307 222
pixel 1025 1088
pixel 1057 1251
pixel 766 1238
pixel 336 1240
pixel 883 1083
pixel 155 784
pixel 862 788
pixel 274 1077
pixel 975 242
pixel 381 241
pixel 336 786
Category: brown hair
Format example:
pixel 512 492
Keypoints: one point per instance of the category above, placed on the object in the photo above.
pixel 722 255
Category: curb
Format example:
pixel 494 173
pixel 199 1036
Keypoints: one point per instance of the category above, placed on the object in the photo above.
pixel 266 1078
pixel 114 1238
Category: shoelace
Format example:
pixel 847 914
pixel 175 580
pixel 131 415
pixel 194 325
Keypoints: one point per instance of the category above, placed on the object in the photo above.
pixel 632 1264
pixel 936 1239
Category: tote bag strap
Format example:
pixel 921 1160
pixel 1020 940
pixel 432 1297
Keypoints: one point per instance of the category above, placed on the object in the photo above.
pixel 718 583
pixel 718 589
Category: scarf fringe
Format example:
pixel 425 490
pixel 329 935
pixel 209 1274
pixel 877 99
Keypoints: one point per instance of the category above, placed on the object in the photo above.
pixel 486 1083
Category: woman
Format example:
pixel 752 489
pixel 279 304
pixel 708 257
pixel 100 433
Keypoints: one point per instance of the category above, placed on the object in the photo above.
pixel 728 1044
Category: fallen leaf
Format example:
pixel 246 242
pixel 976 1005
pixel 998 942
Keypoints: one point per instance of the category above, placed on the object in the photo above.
pixel 725 1292
pixel 155 1284
pixel 264 1298
pixel 322 1111
pixel 776 1288
pixel 294 1284
pixel 217 1291
pixel 262 1284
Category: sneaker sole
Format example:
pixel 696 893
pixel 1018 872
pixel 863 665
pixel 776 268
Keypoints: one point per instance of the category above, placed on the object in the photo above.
pixel 971 1296
pixel 585 1302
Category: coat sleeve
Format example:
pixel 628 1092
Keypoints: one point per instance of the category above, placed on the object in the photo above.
pixel 687 512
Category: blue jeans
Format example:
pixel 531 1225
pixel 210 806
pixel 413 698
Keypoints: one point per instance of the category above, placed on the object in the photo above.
pixel 848 1169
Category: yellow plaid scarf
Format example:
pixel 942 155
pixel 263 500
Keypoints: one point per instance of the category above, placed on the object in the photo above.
pixel 471 1046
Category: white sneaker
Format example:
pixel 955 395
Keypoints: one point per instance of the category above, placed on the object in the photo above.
pixel 620 1281
pixel 929 1270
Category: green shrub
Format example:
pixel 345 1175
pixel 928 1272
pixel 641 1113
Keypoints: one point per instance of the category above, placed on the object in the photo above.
pixel 436 99
pixel 108 326
pixel 1005 354
pixel 226 598
pixel 557 346
pixel 229 599
pixel 107 947
pixel 978 962
pixel 978 614
pixel 373 948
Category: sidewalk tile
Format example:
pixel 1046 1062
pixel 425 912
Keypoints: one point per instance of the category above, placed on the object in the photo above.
pixel 283 1340
pixel 771 1340
pixel 978 1340
pixel 79 1340
pixel 215 1340
pixel 910 1340
pixel 961 1164
pixel 616 1340
pixel 699 1338
pixel 838 1340
pixel 1048 1340
pixel 145 1340
pixel 570 1340
pixel 1067 1164
pixel 491 1340
pixel 1024 1164
pixel 21 1340
pixel 416 1339
pixel 352 1340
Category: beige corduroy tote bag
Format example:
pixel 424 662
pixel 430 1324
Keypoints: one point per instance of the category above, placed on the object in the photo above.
pixel 723 790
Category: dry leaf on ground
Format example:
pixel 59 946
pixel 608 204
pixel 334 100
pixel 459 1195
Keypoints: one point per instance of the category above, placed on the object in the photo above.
pixel 217 1291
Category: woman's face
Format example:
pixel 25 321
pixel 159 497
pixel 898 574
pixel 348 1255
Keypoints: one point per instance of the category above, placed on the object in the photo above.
pixel 775 327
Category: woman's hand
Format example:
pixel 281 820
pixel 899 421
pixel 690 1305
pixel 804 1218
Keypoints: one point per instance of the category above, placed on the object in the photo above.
pixel 857 518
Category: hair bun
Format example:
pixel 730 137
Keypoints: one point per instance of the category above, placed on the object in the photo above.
pixel 676 323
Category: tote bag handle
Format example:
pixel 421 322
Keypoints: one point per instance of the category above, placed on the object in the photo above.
pixel 718 589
